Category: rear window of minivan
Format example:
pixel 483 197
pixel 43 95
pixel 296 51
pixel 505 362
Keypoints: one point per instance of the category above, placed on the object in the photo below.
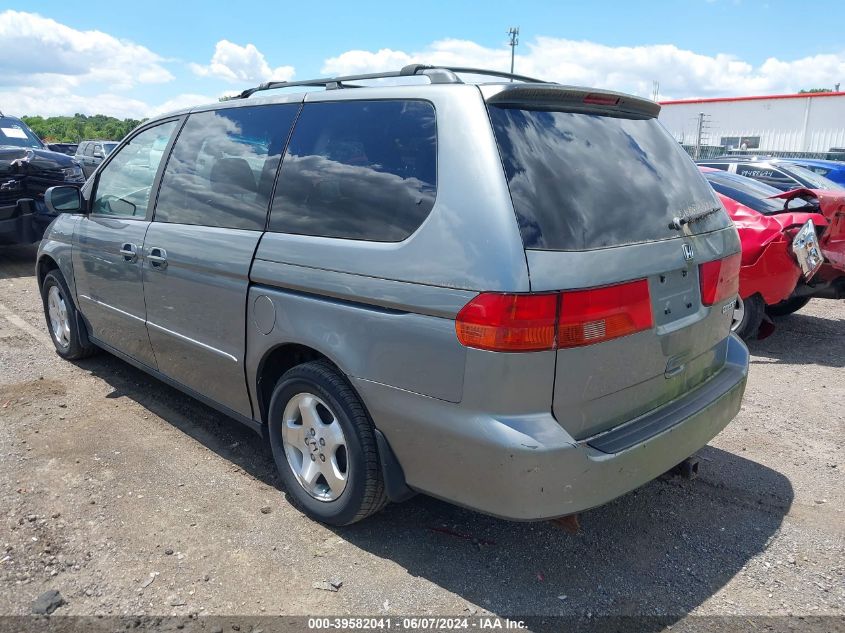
pixel 582 181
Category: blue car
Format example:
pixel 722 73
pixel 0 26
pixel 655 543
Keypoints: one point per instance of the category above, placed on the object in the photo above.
pixel 830 169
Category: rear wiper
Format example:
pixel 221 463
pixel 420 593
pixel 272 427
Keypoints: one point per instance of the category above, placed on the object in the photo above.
pixel 677 223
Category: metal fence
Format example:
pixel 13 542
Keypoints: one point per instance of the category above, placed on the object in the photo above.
pixel 716 151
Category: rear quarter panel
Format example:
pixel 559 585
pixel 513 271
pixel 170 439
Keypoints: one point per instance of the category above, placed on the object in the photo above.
pixel 377 330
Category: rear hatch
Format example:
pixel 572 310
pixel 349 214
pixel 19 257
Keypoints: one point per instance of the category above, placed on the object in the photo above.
pixel 614 213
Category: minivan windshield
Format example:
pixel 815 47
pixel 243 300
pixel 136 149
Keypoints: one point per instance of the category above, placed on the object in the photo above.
pixel 582 181
pixel 15 133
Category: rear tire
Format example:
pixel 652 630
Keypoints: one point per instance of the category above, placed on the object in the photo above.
pixel 63 319
pixel 324 445
pixel 788 306
pixel 748 315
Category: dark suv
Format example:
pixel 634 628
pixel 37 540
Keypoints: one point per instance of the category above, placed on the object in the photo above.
pixel 27 169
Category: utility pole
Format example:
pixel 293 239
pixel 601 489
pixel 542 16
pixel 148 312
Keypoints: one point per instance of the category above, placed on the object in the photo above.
pixel 701 130
pixel 513 32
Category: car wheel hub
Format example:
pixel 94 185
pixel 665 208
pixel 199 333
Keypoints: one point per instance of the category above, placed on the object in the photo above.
pixel 315 447
pixel 59 321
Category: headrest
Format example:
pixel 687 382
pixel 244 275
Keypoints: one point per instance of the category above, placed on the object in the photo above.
pixel 232 176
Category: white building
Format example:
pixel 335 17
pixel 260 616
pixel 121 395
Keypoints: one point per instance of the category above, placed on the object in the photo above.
pixel 808 122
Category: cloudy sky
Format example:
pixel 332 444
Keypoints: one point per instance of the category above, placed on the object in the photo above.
pixel 137 59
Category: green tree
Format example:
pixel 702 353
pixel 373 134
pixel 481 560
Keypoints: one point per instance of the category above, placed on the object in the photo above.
pixel 72 129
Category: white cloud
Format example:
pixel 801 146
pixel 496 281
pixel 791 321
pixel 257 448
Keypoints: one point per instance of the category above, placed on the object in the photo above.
pixel 681 73
pixel 178 103
pixel 46 103
pixel 38 51
pixel 235 63
pixel 33 100
pixel 49 68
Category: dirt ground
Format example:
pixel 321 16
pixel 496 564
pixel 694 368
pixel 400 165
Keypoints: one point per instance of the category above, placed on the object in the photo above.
pixel 131 498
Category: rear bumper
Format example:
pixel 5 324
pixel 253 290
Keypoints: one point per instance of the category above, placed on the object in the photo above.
pixel 528 467
pixel 828 283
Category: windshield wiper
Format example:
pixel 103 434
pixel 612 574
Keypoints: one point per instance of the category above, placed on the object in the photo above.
pixel 678 223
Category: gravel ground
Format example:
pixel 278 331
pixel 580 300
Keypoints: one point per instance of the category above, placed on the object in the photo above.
pixel 131 498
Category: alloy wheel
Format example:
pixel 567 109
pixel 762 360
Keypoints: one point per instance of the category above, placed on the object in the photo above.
pixel 315 447
pixel 59 321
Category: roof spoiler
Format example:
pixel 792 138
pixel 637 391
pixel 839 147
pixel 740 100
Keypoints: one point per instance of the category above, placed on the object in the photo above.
pixel 554 96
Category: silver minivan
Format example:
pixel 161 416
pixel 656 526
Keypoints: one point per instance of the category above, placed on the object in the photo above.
pixel 515 296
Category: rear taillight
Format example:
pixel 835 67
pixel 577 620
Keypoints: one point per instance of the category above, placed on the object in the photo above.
pixel 535 322
pixel 508 322
pixel 601 314
pixel 719 279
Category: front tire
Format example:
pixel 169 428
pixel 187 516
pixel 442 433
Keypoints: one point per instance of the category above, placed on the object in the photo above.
pixel 748 315
pixel 788 306
pixel 63 320
pixel 324 445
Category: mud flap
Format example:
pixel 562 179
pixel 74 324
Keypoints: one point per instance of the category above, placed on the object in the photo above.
pixel 767 327
pixel 394 477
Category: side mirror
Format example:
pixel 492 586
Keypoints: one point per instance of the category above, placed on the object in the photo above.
pixel 63 199
pixel 98 154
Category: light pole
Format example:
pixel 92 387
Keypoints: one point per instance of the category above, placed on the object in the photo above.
pixel 513 32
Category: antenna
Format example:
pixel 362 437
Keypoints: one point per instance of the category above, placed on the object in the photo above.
pixel 513 33
pixel 655 90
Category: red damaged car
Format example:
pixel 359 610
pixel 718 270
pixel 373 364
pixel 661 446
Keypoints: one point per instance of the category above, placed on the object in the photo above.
pixel 793 246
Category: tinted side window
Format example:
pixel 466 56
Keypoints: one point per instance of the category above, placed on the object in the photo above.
pixel 362 170
pixel 123 187
pixel 222 167
pixel 720 166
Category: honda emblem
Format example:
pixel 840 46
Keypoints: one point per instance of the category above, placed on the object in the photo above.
pixel 689 255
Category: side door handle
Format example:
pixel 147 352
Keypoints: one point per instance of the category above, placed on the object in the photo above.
pixel 157 257
pixel 129 252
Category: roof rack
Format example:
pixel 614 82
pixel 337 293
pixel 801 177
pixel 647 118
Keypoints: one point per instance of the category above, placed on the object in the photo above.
pixel 436 74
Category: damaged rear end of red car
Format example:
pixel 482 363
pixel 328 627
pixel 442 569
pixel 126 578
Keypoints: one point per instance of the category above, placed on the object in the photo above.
pixel 825 279
pixel 830 230
pixel 788 256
